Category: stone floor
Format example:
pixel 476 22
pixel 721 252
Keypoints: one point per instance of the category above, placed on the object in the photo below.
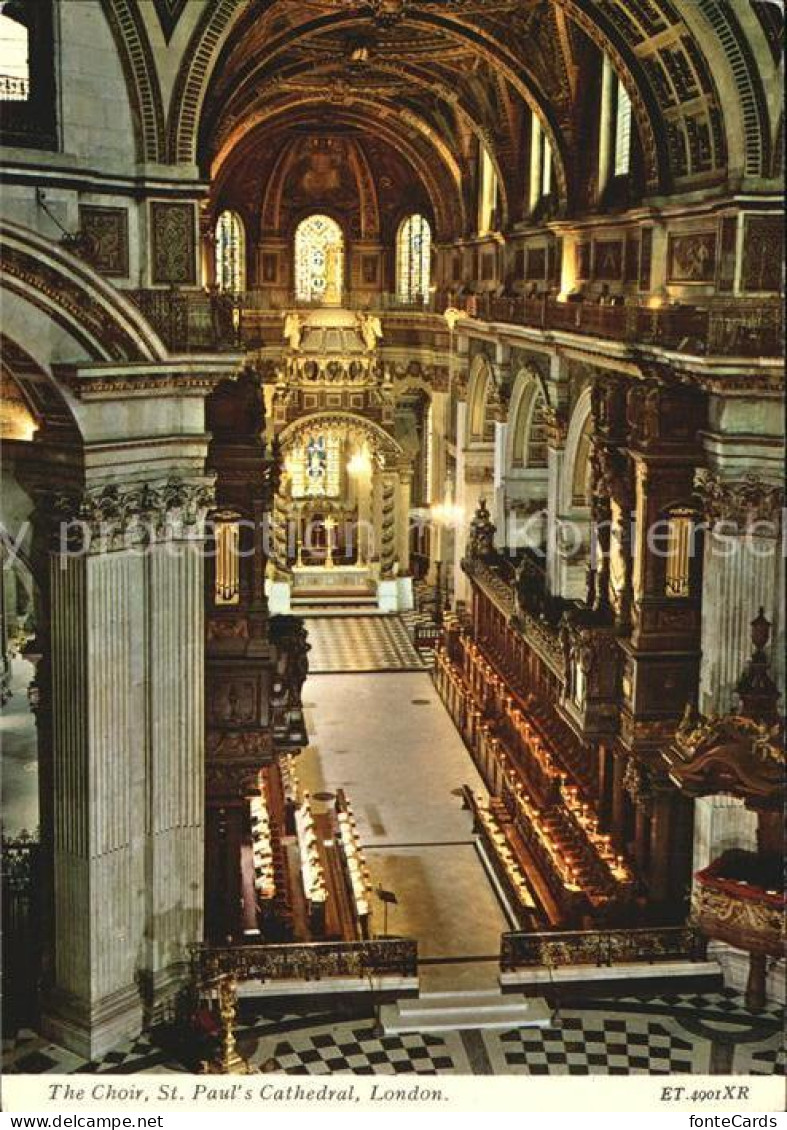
pixel 636 1035
pixel 401 763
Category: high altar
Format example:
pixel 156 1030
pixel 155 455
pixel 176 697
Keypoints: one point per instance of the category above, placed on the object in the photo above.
pixel 341 521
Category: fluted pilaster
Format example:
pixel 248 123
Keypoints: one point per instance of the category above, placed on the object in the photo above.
pixel 127 596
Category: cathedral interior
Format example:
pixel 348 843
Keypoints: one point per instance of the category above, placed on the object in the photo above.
pixel 392 601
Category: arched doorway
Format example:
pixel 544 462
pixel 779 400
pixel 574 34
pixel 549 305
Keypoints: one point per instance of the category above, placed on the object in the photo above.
pixel 319 260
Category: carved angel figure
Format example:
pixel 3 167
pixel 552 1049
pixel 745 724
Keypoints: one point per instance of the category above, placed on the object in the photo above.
pixel 371 330
pixel 293 330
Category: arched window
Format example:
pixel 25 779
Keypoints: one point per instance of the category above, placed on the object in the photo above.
pixel 27 74
pixel 622 132
pixel 488 192
pixel 14 60
pixel 614 156
pixel 536 451
pixel 319 260
pixel 230 253
pixel 413 255
pixel 540 164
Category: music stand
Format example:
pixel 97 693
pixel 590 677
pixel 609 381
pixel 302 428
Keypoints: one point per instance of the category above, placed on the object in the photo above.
pixel 387 898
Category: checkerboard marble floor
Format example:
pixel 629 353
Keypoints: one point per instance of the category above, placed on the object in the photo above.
pixel 360 643
pixel 710 1033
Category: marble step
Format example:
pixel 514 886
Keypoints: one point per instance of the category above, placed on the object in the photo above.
pixel 363 600
pixel 450 1012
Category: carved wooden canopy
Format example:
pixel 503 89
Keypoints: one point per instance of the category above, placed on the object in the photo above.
pixel 733 755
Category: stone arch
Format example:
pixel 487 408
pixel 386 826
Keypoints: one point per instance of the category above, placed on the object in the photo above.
pixel 746 116
pixel 408 132
pixel 139 68
pixel 577 454
pixel 274 194
pixel 480 384
pixel 382 442
pixel 529 392
pixel 189 90
pixel 98 321
pixel 43 401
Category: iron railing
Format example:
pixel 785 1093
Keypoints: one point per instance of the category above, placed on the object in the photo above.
pixel 314 961
pixel 600 947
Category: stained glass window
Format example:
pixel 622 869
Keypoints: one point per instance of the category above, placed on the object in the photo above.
pixel 319 260
pixel 315 468
pixel 230 253
pixel 413 258
pixel 622 132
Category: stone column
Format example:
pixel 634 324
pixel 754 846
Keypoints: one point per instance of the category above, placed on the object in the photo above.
pixel 464 502
pixel 439 432
pixel 389 481
pixel 176 789
pixel 403 505
pixel 124 840
pixel 127 594
pixel 498 507
pixel 619 798
pixel 743 569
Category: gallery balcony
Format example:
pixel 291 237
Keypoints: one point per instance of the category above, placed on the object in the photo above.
pixel 745 328
pixel 208 321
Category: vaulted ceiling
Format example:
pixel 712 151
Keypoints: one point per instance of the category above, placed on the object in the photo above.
pixel 430 80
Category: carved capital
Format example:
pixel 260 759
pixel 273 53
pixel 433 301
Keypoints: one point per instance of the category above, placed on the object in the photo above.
pixel 741 503
pixel 120 516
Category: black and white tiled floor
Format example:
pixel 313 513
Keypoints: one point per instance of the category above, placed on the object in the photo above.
pixel 360 643
pixel 606 1045
pixel 699 1034
pixel 411 621
pixel 358 1051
